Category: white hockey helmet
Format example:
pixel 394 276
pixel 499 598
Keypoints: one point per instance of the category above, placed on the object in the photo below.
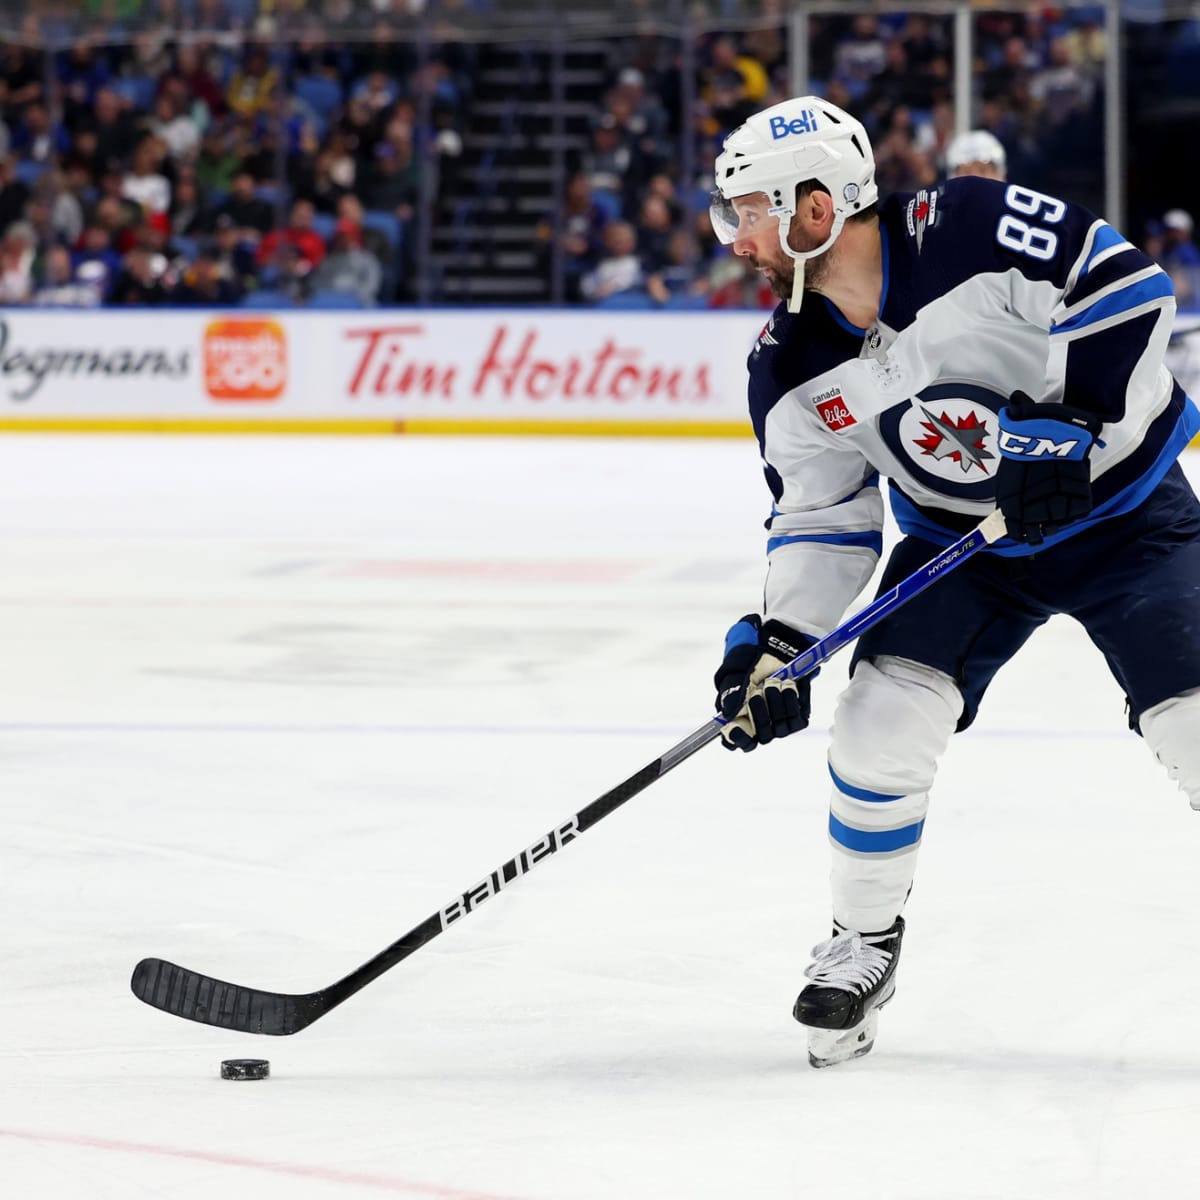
pixel 976 146
pixel 785 145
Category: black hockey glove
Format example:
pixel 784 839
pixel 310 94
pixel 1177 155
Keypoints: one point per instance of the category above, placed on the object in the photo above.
pixel 759 709
pixel 1044 480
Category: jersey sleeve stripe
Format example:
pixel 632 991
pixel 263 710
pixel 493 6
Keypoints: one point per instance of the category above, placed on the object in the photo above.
pixel 1112 501
pixel 871 481
pixel 1127 301
pixel 1117 271
pixel 867 539
pixel 1105 244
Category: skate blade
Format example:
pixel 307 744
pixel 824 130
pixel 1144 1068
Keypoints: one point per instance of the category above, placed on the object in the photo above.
pixel 828 1047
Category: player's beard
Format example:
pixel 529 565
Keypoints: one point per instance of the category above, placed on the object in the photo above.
pixel 782 269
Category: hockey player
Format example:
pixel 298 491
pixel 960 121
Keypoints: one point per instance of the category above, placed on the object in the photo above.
pixel 976 152
pixel 981 345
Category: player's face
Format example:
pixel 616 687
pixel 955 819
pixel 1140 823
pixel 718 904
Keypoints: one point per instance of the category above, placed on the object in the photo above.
pixel 758 240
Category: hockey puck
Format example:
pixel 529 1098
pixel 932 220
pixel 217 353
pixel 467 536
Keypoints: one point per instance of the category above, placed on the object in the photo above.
pixel 245 1068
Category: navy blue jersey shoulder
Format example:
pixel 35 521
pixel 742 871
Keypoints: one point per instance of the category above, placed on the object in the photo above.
pixel 793 348
pixel 969 227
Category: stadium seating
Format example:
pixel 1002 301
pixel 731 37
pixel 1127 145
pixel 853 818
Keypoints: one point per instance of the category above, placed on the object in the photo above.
pixel 266 298
pixel 331 298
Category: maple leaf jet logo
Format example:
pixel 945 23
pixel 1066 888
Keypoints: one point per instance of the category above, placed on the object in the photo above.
pixel 960 440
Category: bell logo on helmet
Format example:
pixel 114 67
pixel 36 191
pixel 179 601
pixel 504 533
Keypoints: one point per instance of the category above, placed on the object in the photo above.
pixel 804 122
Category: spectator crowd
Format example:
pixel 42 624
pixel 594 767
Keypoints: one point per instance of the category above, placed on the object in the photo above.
pixel 173 166
pixel 633 230
pixel 178 169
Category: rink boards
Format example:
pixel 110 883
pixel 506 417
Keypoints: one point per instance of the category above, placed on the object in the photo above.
pixel 397 371
pixel 519 371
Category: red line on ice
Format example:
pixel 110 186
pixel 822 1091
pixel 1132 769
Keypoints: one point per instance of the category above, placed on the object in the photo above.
pixel 381 1183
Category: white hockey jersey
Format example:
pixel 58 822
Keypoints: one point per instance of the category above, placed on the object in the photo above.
pixel 988 289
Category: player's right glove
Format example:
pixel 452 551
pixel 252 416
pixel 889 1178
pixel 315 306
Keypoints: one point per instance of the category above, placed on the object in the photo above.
pixel 1044 479
pixel 760 709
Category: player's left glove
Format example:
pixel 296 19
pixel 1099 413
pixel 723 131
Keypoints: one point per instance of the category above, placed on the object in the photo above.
pixel 760 709
pixel 1044 480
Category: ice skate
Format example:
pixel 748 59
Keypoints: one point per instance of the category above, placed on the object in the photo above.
pixel 853 977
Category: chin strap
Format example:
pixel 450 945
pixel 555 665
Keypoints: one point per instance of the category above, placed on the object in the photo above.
pixel 797 286
pixel 799 258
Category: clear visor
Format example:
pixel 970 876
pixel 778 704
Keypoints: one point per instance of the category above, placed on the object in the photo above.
pixel 723 217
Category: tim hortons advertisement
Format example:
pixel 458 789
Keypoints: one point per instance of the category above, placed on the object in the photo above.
pixel 530 364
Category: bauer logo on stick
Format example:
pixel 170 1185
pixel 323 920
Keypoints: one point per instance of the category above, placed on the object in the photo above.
pixel 510 872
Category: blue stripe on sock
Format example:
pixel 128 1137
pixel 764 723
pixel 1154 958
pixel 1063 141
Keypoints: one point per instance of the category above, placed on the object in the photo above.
pixel 869 841
pixel 857 793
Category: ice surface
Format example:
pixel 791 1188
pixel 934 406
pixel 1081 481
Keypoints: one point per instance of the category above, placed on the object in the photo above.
pixel 268 703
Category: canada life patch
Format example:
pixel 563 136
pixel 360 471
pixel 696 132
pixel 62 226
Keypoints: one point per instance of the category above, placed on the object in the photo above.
pixel 833 410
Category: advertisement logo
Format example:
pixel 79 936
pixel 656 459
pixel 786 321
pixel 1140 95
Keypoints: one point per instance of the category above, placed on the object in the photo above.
pixel 245 359
pixel 805 121
pixel 833 410
pixel 519 365
pixel 27 365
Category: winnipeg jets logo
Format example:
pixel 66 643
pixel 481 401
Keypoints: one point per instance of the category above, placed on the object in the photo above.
pixel 944 438
pixel 961 440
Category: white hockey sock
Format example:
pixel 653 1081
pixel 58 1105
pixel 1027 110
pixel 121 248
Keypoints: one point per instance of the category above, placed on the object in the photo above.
pixel 1172 731
pixel 892 724
pixel 875 838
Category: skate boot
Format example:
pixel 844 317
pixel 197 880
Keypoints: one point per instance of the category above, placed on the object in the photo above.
pixel 853 977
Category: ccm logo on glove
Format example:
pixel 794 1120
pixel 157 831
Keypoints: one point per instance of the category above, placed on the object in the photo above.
pixel 1044 479
pixel 1040 442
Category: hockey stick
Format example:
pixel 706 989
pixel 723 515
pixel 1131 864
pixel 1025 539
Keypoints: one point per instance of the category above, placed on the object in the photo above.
pixel 196 997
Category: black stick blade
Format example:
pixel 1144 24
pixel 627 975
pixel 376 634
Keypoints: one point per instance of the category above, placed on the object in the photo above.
pixel 195 997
